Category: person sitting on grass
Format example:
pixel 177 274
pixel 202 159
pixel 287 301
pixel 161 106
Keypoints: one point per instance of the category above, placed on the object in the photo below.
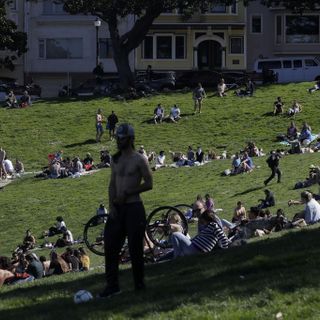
pixel 66 240
pixel 25 100
pixel 34 267
pixel 252 149
pixel 88 162
pixel 236 164
pixel 278 107
pixel 105 159
pixel 158 114
pixel 269 200
pixel 175 114
pixel 311 213
pixel 160 160
pixel 292 132
pixel 11 100
pixel 199 155
pixel 70 258
pixel 209 202
pixel 205 241
pixel 84 259
pixel 57 264
pixel 295 108
pixel 305 136
pixel 8 166
pixel 239 213
pixel 57 229
pixel 246 163
pixel 29 241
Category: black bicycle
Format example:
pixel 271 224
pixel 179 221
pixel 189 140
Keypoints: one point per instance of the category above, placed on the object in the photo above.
pixel 157 229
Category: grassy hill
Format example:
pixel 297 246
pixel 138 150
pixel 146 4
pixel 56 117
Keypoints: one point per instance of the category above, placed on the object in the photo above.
pixel 280 274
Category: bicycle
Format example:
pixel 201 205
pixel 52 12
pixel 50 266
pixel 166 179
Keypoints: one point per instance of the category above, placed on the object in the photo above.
pixel 156 236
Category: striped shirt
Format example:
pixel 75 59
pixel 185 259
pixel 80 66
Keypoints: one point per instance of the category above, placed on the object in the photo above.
pixel 206 240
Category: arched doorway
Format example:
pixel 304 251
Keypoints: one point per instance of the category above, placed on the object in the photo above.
pixel 209 55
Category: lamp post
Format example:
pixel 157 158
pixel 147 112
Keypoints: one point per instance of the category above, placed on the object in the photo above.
pixel 97 24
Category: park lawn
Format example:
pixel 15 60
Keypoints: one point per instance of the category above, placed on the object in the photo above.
pixel 208 286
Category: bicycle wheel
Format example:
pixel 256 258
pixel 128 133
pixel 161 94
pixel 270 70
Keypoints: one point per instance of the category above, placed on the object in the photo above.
pixel 157 225
pixel 185 209
pixel 93 234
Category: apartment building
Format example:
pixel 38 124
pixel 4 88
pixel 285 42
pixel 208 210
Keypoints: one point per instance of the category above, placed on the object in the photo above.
pixel 62 47
pixel 213 38
pixel 277 32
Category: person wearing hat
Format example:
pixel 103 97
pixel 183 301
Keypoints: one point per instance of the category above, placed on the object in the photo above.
pixel 273 163
pixel 130 176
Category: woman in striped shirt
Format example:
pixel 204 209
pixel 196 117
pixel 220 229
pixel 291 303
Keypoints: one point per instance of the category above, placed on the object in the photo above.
pixel 209 236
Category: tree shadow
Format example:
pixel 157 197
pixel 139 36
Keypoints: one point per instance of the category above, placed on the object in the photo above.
pixel 237 273
pixel 77 144
pixel 268 114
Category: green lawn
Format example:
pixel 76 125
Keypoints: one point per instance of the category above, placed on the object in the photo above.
pixel 279 273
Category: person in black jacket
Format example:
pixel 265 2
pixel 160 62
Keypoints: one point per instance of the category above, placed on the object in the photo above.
pixel 273 163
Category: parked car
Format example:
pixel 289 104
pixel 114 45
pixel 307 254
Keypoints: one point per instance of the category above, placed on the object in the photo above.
pixel 158 80
pixel 92 87
pixel 208 78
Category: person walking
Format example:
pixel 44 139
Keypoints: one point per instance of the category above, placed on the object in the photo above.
pixel 111 124
pixel 198 95
pixel 273 163
pixel 130 176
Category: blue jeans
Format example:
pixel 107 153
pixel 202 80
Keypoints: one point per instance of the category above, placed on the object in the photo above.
pixel 182 245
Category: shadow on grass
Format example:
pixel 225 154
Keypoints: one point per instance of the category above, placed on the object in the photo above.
pixel 83 143
pixel 248 191
pixel 151 121
pixel 272 265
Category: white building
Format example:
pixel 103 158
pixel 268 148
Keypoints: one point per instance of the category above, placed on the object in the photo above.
pixel 62 47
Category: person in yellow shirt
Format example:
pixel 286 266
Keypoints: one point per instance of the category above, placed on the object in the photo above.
pixel 84 259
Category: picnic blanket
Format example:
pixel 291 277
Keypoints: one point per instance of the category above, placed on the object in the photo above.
pixel 286 143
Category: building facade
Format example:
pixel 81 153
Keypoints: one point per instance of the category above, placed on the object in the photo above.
pixel 213 38
pixel 62 47
pixel 277 32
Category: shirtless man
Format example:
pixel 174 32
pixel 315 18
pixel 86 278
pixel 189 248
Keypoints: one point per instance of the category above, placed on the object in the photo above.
pixel 3 172
pixel 130 175
pixel 99 127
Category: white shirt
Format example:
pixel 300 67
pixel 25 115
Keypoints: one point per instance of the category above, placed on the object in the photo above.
pixel 312 212
pixel 160 160
pixel 175 112
pixel 8 166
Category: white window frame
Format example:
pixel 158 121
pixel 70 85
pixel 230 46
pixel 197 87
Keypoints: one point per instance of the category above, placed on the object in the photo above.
pixel 251 23
pixel 173 46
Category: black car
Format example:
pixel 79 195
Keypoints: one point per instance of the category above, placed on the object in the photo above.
pixel 96 87
pixel 208 78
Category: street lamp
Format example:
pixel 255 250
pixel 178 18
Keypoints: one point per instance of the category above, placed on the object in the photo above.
pixel 97 24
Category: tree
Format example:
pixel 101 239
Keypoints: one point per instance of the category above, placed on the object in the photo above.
pixel 146 11
pixel 11 40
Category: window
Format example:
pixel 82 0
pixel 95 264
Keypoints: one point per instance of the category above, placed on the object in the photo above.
pixel 164 47
pixel 13 5
pixel 310 63
pixel 256 24
pixel 302 29
pixel 220 8
pixel 297 63
pixel 236 45
pixel 278 29
pixel 105 48
pixel 275 64
pixel 64 48
pixel 287 64
pixel 52 7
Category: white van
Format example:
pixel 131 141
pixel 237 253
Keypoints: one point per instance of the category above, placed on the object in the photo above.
pixel 291 69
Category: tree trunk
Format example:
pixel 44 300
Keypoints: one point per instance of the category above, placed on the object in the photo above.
pixel 121 59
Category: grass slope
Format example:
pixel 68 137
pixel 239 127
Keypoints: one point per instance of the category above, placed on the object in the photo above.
pixel 208 286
